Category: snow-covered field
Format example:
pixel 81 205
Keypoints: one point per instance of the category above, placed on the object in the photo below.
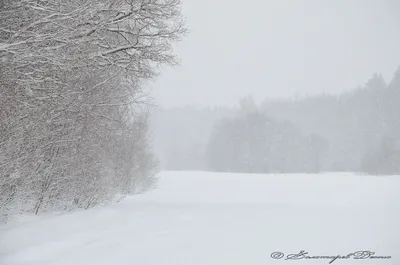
pixel 199 218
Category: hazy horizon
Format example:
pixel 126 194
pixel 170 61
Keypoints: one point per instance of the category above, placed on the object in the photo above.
pixel 285 49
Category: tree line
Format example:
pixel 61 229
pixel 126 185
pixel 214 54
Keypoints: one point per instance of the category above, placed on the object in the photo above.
pixel 356 131
pixel 73 104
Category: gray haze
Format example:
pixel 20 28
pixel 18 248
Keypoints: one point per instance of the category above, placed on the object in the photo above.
pixel 275 49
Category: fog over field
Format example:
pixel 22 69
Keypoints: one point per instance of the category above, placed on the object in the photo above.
pixel 317 81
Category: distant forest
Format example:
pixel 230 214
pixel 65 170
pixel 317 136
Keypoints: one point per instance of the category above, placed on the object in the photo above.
pixel 357 131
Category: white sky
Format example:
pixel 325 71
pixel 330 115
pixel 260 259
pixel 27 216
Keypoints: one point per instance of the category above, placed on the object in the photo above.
pixel 279 48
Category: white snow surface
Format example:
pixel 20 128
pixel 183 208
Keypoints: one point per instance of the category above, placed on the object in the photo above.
pixel 204 218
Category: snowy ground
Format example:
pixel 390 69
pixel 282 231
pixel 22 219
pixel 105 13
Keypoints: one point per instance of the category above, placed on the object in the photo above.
pixel 197 218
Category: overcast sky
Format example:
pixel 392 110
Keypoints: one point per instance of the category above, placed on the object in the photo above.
pixel 279 48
